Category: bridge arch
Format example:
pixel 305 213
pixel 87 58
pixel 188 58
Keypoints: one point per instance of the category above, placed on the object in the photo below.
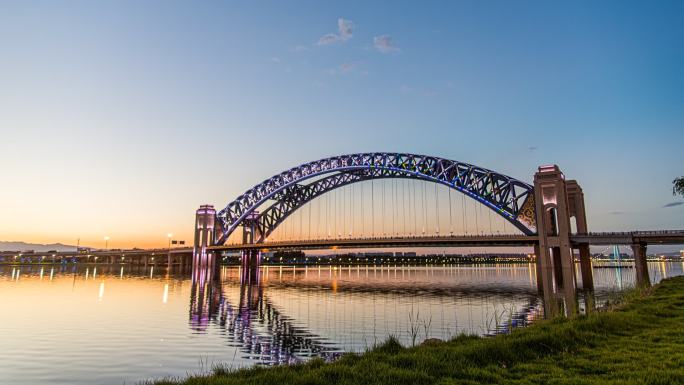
pixel 510 198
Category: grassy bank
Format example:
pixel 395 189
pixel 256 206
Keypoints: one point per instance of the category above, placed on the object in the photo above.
pixel 640 341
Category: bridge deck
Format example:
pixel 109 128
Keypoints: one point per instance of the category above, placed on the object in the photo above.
pixel 615 238
pixel 454 241
pixel 598 239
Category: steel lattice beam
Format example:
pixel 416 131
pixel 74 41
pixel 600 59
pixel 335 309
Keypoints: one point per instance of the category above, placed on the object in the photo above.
pixel 507 196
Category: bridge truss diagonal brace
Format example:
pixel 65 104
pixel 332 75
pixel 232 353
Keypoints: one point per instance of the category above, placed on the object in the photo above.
pixel 507 196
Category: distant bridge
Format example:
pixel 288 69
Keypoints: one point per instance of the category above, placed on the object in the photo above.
pixel 174 256
pixel 663 237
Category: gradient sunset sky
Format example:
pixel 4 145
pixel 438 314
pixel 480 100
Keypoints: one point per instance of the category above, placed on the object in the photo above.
pixel 121 118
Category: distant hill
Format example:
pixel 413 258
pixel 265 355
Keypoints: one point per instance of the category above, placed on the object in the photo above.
pixel 22 246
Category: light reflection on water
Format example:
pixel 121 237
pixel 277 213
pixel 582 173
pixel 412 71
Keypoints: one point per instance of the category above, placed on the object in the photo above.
pixel 110 324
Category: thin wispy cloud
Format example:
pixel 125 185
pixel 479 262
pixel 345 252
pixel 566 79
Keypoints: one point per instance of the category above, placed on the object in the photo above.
pixel 345 68
pixel 345 27
pixel 384 44
pixel 327 39
pixel 345 31
pixel 673 204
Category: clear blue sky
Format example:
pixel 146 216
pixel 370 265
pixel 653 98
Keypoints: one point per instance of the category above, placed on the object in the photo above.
pixel 121 117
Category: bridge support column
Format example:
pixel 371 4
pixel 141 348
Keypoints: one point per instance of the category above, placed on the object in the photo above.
pixel 539 267
pixel 544 270
pixel 569 280
pixel 641 265
pixel 586 267
pixel 250 261
pixel 557 266
pixel 251 258
pixel 545 278
pixel 577 210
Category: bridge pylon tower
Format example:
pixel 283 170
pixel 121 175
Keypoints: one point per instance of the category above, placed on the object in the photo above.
pixel 556 202
pixel 205 221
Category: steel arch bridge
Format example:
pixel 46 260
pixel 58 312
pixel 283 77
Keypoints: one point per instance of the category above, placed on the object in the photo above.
pixel 286 192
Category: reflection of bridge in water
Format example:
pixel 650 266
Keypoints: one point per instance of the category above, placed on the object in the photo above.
pixel 254 324
pixel 261 332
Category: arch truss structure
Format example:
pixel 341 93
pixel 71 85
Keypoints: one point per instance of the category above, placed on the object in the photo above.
pixel 288 191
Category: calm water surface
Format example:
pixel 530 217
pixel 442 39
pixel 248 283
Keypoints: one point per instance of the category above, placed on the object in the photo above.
pixel 116 325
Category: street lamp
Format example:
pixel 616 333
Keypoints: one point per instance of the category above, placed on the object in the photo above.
pixel 168 255
pixel 106 239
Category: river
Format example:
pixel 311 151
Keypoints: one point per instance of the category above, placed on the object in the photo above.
pixel 68 324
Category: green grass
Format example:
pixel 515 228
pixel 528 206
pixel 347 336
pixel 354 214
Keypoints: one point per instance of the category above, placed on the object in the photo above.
pixel 639 341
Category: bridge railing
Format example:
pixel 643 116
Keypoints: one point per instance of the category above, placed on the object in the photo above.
pixel 660 232
pixel 632 233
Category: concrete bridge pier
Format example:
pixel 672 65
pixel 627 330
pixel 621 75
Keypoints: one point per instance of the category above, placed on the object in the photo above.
pixel 557 266
pixel 539 269
pixel 566 285
pixel 553 213
pixel 250 263
pixel 586 268
pixel 640 264
pixel 545 272
pixel 576 210
pixel 250 258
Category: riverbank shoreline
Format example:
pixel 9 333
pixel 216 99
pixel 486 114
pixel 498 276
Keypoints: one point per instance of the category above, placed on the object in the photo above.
pixel 635 341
